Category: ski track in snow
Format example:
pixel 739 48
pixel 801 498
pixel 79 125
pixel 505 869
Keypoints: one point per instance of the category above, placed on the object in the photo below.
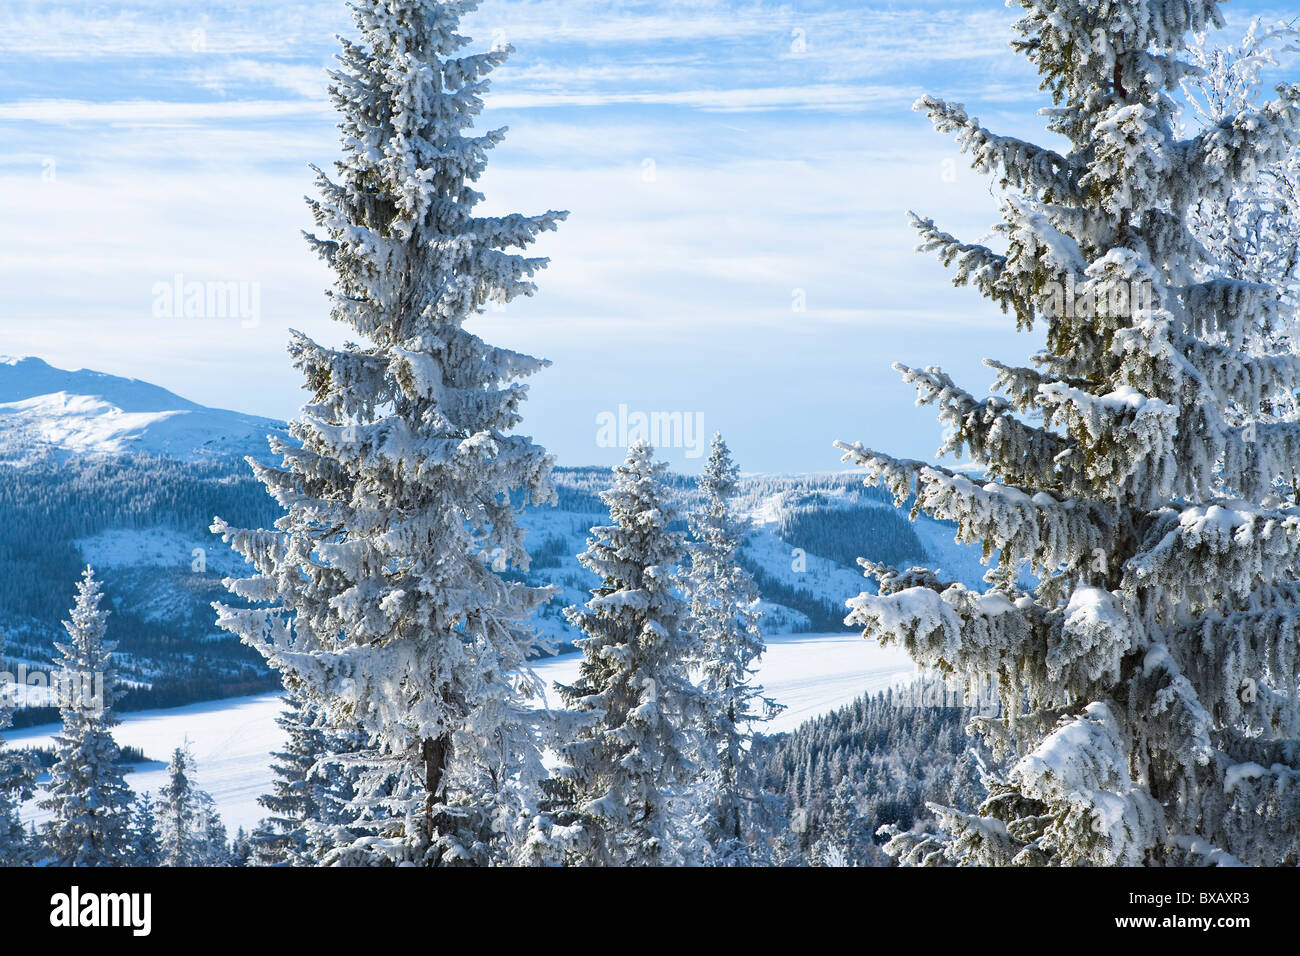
pixel 232 739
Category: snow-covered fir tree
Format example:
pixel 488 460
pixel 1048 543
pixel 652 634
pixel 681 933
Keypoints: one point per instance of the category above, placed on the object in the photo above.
pixel 389 601
pixel 88 799
pixel 281 838
pixel 17 778
pixel 727 639
pixel 624 791
pixel 212 840
pixel 1149 674
pixel 1250 232
pixel 176 813
pixel 241 848
pixel 145 847
pixel 190 831
pixel 340 815
pixel 844 840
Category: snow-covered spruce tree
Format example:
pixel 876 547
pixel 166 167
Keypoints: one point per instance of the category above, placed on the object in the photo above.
pixel 624 789
pixel 1149 677
pixel 281 838
pixel 145 849
pixel 17 778
pixel 388 604
pixel 212 839
pixel 728 642
pixel 340 817
pixel 241 848
pixel 176 812
pixel 190 832
pixel 88 799
pixel 845 839
pixel 1252 231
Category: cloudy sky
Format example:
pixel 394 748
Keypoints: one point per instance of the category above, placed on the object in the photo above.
pixel 738 175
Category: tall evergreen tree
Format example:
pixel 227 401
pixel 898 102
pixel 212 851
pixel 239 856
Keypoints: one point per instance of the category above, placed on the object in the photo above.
pixel 145 848
pixel 89 801
pixel 17 778
pixel 624 786
pixel 212 840
pixel 281 838
pixel 402 479
pixel 1149 676
pixel 190 831
pixel 176 813
pixel 725 623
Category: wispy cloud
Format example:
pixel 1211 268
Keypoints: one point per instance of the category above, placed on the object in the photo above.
pixel 738 173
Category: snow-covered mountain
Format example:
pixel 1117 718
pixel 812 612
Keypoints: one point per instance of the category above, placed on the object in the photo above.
pixel 127 476
pixel 51 410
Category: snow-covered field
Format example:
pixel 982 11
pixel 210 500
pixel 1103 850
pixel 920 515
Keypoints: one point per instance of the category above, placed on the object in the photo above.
pixel 232 739
pixel 809 673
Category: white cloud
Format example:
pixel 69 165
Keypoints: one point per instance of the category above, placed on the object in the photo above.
pixel 155 112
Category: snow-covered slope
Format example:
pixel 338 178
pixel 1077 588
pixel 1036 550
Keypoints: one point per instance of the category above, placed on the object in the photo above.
pixel 45 409
pixel 232 739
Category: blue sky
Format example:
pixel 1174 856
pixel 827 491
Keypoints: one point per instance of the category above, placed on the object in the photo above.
pixel 723 162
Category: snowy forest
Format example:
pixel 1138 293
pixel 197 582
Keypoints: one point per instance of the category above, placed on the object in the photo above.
pixel 1094 588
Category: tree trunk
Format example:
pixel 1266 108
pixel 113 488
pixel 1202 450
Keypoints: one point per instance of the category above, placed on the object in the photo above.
pixel 435 752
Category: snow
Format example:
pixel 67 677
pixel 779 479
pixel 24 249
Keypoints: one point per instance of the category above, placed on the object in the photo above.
pixel 810 674
pixel 76 423
pixel 157 547
pixel 232 739
pixel 1241 772
pixel 43 408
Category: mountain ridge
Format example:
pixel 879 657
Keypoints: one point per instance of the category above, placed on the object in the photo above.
pixel 49 410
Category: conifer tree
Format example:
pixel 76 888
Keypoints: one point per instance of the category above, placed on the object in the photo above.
pixel 1251 231
pixel 1149 674
pixel 340 817
pixel 145 848
pixel 844 840
pixel 17 778
pixel 624 786
pixel 725 625
pixel 212 840
pixel 190 831
pixel 242 848
pixel 281 838
pixel 89 801
pixel 387 602
pixel 176 813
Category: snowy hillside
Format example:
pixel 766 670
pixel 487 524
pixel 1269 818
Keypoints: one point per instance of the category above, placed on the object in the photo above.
pixel 232 740
pixel 138 473
pixel 46 409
